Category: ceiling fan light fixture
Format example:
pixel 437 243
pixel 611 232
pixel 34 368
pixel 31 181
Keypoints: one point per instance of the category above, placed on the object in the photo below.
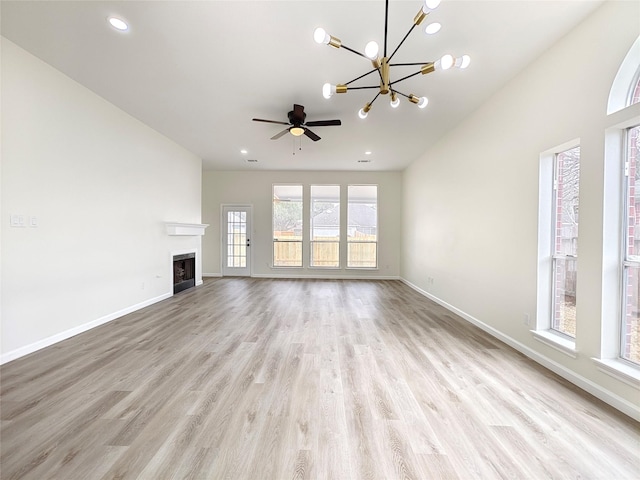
pixel 296 131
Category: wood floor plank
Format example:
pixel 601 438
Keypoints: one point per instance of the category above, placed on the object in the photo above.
pixel 272 379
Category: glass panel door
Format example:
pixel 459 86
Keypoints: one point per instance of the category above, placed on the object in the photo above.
pixel 236 258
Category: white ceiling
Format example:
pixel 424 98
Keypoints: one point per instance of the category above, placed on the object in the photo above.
pixel 199 71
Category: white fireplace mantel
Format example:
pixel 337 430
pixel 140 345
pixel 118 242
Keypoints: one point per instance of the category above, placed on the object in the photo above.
pixel 186 228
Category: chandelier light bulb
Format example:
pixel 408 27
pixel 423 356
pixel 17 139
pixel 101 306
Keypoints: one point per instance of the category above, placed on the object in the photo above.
pixel 463 61
pixel 432 28
pixel 362 113
pixel 395 101
pixel 371 50
pixel 321 36
pixel 328 90
pixel 445 63
pixel 423 102
pixel 430 5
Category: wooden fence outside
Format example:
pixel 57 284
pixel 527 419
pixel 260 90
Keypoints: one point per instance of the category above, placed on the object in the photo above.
pixel 361 252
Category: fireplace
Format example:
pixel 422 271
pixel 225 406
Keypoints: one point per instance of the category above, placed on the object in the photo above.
pixel 184 272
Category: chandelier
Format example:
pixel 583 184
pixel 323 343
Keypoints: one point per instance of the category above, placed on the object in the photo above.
pixel 382 65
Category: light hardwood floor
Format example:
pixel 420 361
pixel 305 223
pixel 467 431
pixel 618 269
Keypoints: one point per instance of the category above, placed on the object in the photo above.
pixel 286 379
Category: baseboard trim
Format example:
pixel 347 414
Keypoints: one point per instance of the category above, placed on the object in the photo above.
pixel 72 332
pixel 587 385
pixel 324 277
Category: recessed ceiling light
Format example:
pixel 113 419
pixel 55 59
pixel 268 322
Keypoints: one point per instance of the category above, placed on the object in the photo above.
pixel 367 153
pixel 118 24
pixel 243 151
pixel 432 28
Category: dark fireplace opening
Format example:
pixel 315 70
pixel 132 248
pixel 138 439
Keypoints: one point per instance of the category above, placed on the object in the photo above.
pixel 184 272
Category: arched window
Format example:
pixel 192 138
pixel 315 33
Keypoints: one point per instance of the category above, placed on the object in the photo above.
pixel 625 90
pixel 635 90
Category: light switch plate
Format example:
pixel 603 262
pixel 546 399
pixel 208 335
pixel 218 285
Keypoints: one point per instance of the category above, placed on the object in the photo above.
pixel 17 220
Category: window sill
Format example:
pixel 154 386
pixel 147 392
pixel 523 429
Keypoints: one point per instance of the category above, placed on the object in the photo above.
pixel 285 267
pixel 363 268
pixel 559 342
pixel 619 370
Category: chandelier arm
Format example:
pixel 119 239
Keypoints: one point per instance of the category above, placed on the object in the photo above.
pixel 354 51
pixel 409 64
pixel 365 88
pixel 400 93
pixel 374 98
pixel 401 42
pixel 386 23
pixel 404 78
pixel 361 76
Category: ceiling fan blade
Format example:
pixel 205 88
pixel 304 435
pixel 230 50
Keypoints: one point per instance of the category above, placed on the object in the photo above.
pixel 311 135
pixel 323 123
pixel 269 121
pixel 278 135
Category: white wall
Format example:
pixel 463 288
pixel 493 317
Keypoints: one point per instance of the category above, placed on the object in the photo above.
pixel 101 185
pixel 255 188
pixel 470 203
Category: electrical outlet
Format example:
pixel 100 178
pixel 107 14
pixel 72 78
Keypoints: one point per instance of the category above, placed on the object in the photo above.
pixel 526 319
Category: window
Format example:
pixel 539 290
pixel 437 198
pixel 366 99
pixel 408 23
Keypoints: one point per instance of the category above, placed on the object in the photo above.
pixel 325 226
pixel 287 225
pixel 630 325
pixel 565 241
pixel 634 96
pixel 625 90
pixel 362 226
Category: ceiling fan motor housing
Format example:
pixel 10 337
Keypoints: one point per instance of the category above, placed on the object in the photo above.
pixel 296 120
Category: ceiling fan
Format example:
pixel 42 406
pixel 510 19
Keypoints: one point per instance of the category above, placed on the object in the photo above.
pixel 297 126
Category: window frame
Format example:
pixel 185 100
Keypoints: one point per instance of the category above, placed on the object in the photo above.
pixel 311 228
pixel 625 261
pixel 376 241
pixel 541 329
pixel 273 236
pixel 555 256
